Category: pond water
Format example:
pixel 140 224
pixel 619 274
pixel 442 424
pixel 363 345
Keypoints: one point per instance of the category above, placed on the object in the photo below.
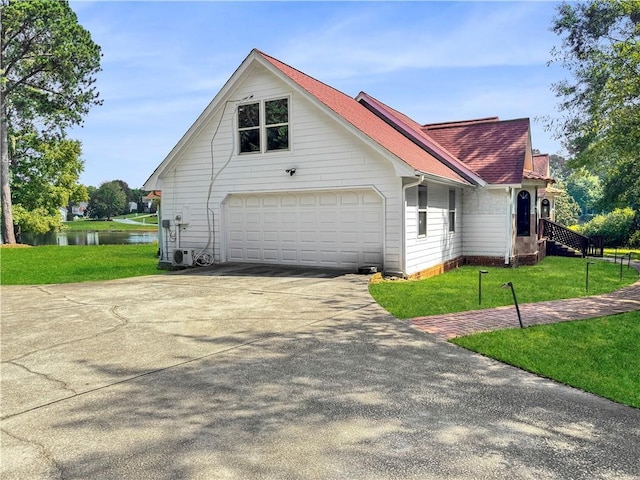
pixel 89 238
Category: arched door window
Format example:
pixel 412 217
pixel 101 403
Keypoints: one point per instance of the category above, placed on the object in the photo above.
pixel 523 215
pixel 546 208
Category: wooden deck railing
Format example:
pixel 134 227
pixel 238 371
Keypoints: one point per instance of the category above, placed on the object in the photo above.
pixel 592 246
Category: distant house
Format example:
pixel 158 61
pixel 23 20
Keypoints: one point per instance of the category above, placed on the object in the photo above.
pixel 281 168
pixel 79 209
pixel 149 199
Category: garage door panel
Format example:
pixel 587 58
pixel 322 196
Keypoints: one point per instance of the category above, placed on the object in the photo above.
pixel 271 218
pixel 289 237
pixel 253 254
pixel 253 236
pixel 289 255
pixel 308 256
pixel 271 236
pixel 252 219
pixel 328 257
pixel 349 237
pixel 340 229
pixel 271 254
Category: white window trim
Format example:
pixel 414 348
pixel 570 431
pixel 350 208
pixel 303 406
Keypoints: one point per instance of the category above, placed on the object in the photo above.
pixel 452 228
pixel 424 210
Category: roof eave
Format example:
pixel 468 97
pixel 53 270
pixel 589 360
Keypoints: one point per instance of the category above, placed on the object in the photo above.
pixel 431 147
pixel 443 180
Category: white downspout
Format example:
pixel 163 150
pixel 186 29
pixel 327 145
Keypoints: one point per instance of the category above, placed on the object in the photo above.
pixel 509 244
pixel 403 250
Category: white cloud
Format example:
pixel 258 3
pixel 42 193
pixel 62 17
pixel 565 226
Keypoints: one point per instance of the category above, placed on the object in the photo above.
pixel 431 35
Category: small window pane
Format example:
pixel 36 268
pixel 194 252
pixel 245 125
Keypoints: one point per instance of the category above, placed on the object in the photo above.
pixel 422 196
pixel 250 140
pixel 276 111
pixel 249 115
pixel 278 138
pixel 422 223
pixel 452 210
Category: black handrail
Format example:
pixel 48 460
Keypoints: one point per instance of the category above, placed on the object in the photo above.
pixel 561 234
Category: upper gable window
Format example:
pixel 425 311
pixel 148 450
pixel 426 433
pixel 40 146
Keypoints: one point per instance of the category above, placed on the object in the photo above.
pixel 249 127
pixel 264 126
pixel 276 120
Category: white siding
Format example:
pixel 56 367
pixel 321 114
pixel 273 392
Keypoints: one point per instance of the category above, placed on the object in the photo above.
pixel 324 154
pixel 485 222
pixel 439 245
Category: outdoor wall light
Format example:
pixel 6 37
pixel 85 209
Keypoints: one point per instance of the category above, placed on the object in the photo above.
pixel 291 171
pixel 480 273
pixel 515 301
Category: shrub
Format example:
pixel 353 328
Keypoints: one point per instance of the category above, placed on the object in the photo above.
pixel 38 220
pixel 615 227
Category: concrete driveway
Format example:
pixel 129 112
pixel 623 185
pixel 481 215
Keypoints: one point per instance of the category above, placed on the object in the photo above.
pixel 248 372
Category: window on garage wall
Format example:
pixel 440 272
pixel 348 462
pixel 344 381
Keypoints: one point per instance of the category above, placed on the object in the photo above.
pixel 264 126
pixel 276 120
pixel 422 211
pixel 249 127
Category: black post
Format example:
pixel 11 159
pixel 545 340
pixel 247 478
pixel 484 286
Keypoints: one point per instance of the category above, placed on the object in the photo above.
pixel 586 288
pixel 621 262
pixel 480 272
pixel 515 301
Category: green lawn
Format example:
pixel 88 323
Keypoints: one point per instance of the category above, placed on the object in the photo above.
pixel 103 225
pixel 622 252
pixel 53 264
pixel 456 291
pixel 600 356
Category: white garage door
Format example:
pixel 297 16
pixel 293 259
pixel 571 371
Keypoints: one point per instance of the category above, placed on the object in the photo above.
pixel 336 229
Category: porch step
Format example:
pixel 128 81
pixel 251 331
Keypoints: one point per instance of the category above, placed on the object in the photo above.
pixel 558 250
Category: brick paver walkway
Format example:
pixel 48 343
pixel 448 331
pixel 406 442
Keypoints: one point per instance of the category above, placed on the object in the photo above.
pixel 465 323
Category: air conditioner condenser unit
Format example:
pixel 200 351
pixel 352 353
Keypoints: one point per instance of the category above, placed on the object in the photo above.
pixel 182 257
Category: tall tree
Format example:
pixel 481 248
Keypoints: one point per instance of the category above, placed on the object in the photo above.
pixel 601 125
pixel 44 180
pixel 108 200
pixel 47 62
pixel 586 190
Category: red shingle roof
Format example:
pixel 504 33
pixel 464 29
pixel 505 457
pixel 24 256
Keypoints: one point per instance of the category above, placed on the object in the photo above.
pixel 541 163
pixel 494 149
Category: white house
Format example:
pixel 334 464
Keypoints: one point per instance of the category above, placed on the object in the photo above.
pixel 281 168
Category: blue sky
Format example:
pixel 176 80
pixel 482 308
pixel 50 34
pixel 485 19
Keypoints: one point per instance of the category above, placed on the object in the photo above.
pixel 434 61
